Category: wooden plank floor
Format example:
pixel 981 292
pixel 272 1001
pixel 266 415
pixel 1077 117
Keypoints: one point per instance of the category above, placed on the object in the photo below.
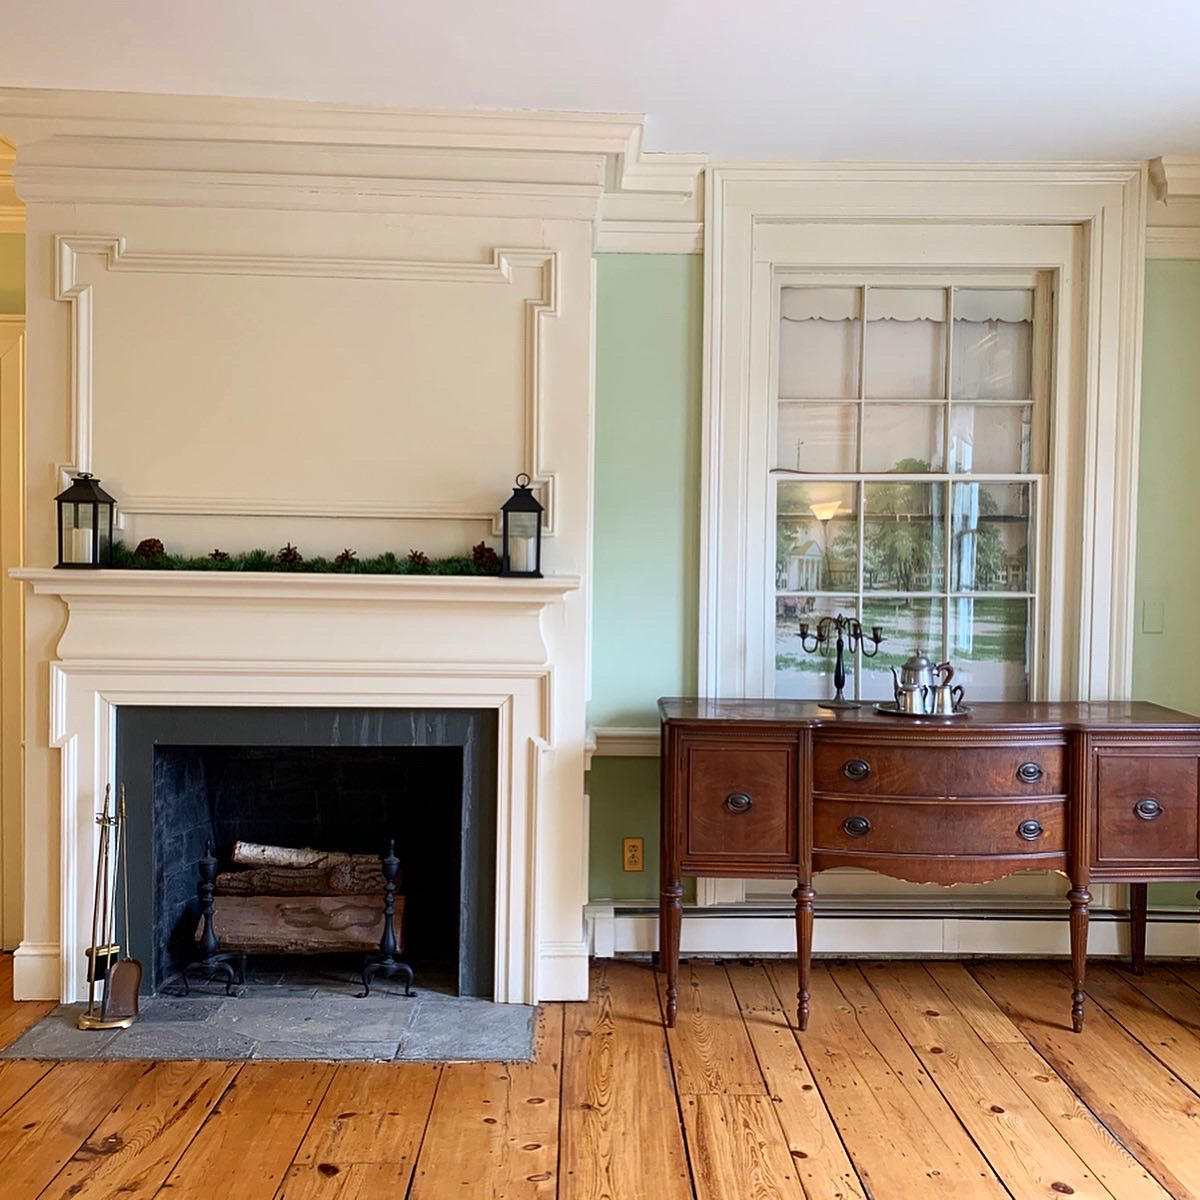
pixel 913 1080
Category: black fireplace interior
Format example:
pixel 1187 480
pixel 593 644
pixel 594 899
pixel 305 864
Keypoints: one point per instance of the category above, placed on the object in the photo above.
pixel 348 780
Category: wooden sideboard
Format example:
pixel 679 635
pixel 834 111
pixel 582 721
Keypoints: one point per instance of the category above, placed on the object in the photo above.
pixel 1101 792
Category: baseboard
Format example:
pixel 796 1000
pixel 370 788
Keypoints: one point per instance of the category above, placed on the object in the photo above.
pixel 563 970
pixel 872 931
pixel 37 971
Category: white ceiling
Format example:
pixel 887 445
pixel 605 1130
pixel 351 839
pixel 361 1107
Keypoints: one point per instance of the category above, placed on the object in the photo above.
pixel 736 79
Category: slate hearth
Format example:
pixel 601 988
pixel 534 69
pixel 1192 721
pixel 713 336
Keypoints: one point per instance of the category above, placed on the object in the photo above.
pixel 297 1016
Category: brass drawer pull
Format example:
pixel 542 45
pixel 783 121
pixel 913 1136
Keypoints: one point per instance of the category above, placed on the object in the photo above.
pixel 738 802
pixel 856 826
pixel 1030 831
pixel 1148 809
pixel 1029 772
pixel 856 769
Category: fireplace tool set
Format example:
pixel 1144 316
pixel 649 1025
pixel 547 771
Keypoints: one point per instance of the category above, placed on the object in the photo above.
pixel 121 976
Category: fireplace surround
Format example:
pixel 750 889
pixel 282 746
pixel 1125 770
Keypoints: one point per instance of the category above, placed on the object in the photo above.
pixel 268 642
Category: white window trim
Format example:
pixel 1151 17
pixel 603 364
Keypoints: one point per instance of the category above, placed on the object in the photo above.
pixel 1105 201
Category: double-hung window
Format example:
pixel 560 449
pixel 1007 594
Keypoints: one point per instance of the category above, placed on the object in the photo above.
pixel 910 458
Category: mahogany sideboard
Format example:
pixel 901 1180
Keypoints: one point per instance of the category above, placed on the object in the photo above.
pixel 1101 792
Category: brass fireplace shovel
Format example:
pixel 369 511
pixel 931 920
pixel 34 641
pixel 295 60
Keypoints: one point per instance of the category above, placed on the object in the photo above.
pixel 125 977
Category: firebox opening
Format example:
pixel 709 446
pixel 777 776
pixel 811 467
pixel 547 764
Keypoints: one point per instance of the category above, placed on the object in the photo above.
pixel 287 778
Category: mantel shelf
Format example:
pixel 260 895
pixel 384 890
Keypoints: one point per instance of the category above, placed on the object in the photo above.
pixel 300 586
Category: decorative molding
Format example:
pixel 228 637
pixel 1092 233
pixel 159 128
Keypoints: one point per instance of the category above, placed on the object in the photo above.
pixel 119 258
pixel 1173 241
pixel 616 928
pixel 12 218
pixel 615 741
pixel 37 971
pixel 1175 175
pixel 649 237
pixel 12 211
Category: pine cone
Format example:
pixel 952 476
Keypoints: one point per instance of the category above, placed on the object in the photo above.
pixel 345 558
pixel 289 556
pixel 418 559
pixel 149 548
pixel 219 556
pixel 485 557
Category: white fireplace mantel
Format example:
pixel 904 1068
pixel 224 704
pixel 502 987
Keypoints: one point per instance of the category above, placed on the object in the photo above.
pixel 232 638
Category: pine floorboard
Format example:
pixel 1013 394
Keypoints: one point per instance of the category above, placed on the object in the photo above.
pixel 913 1081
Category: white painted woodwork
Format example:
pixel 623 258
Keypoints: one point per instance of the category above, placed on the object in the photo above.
pixel 262 322
pixel 12 607
pixel 230 639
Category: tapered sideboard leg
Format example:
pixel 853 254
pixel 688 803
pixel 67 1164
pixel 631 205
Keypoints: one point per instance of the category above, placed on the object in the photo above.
pixel 803 895
pixel 1080 898
pixel 670 920
pixel 1137 927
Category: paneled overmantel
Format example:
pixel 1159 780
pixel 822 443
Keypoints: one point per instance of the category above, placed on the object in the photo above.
pixel 261 323
pixel 217 639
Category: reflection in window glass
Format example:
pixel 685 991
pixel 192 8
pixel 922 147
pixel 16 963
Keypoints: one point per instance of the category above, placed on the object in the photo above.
pixel 991 439
pixel 816 537
pixel 989 646
pixel 993 344
pixel 990 546
pixel 819 342
pixel 908 624
pixel 801 673
pixel 904 537
pixel 906 343
pixel 905 438
pixel 816 437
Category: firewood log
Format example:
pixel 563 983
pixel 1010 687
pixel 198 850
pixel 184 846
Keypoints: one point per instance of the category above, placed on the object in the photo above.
pixel 251 854
pixel 344 879
pixel 301 924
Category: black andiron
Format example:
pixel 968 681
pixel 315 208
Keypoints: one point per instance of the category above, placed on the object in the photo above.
pixel 386 963
pixel 212 963
pixel 847 632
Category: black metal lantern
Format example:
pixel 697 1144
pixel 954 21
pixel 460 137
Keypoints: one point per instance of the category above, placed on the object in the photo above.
pixel 521 541
pixel 85 524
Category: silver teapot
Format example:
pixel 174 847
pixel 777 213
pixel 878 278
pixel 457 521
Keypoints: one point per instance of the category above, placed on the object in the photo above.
pixel 914 686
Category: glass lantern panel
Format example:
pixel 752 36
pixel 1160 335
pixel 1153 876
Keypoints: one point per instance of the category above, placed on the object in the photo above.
pixel 816 537
pixel 906 343
pixel 991 439
pixel 990 549
pixel 820 332
pixel 993 344
pixel 907 623
pixel 989 647
pixel 816 437
pixel 904 537
pixel 904 438
pixel 802 674
pixel 78 520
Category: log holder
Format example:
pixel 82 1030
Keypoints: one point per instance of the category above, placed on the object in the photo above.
pixel 386 963
pixel 213 963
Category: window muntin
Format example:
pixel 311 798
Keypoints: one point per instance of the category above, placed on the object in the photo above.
pixel 909 449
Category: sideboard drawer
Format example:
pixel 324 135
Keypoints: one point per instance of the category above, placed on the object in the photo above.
pixel 971 828
pixel 741 801
pixel 1148 807
pixel 873 769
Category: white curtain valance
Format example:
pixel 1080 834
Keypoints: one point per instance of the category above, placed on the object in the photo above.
pixel 904 304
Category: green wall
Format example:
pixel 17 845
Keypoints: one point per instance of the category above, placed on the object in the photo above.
pixel 1166 665
pixel 645 574
pixel 12 273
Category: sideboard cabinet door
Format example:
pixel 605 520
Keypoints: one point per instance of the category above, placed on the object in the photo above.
pixel 741 802
pixel 1147 808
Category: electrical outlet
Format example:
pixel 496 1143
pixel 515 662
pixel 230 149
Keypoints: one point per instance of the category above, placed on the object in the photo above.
pixel 633 856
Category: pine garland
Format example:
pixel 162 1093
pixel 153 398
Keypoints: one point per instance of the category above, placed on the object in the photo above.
pixel 346 563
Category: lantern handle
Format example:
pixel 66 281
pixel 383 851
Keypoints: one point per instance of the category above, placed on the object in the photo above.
pixel 525 477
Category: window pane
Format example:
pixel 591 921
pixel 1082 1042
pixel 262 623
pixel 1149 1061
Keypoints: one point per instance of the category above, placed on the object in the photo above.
pixel 904 537
pixel 913 623
pixel 820 330
pixel 905 438
pixel 989 648
pixel 991 439
pixel 906 343
pixel 817 437
pixel 800 673
pixel 993 344
pixel 816 537
pixel 990 551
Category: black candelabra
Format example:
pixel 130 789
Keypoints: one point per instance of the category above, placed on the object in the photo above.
pixel 845 633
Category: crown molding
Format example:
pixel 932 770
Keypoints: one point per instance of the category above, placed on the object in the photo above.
pixel 1173 241
pixel 12 211
pixel 1175 175
pixel 216 151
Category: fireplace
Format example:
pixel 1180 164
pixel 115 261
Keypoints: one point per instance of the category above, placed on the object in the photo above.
pixel 334 779
pixel 229 645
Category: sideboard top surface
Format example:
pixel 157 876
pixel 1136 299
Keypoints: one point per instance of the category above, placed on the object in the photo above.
pixel 990 714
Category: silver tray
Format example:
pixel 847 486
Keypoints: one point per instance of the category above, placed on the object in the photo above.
pixel 890 710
